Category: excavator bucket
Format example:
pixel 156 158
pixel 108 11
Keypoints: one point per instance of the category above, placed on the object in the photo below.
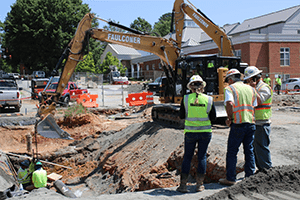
pixel 49 129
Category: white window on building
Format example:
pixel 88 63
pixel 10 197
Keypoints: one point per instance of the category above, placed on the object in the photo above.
pixel 238 53
pixel 298 31
pixel 147 67
pixel 153 66
pixel 285 56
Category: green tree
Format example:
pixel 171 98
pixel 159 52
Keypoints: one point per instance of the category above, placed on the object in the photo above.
pixel 87 64
pixel 141 24
pixel 37 31
pixel 111 60
pixel 162 27
pixel 113 28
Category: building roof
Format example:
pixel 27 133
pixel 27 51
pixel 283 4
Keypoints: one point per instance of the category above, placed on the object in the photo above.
pixel 123 50
pixel 191 33
pixel 265 20
pixel 227 28
pixel 190 42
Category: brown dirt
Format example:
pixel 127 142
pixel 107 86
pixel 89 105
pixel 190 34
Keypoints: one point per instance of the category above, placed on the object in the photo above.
pixel 13 138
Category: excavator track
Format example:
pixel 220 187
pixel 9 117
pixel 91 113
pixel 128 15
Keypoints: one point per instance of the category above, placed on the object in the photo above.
pixel 167 114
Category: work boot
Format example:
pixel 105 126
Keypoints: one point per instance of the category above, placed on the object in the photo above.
pixel 200 178
pixel 224 181
pixel 183 180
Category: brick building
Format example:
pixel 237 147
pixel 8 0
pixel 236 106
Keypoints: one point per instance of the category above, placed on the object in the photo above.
pixel 271 42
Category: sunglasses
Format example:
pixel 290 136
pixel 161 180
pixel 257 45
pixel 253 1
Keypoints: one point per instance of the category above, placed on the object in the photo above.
pixel 196 84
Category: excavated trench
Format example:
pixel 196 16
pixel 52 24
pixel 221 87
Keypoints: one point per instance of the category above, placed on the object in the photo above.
pixel 140 157
pixel 146 155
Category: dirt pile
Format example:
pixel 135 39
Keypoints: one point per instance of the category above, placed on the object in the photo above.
pixel 128 160
pixel 282 178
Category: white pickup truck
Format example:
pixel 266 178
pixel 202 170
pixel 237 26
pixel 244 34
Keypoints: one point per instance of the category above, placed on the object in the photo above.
pixel 9 94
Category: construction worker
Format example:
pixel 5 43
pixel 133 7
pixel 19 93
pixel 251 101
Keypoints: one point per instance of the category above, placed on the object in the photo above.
pixel 240 100
pixel 198 110
pixel 210 69
pixel 267 80
pixel 24 176
pixel 39 177
pixel 278 84
pixel 263 114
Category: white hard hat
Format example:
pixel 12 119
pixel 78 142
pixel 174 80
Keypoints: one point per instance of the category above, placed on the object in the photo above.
pixel 232 72
pixel 196 78
pixel 251 71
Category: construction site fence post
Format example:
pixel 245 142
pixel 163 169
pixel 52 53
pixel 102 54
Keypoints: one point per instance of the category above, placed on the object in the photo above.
pixel 122 95
pixel 102 95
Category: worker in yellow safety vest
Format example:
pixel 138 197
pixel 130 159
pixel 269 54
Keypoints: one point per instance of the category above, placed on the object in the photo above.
pixel 198 110
pixel 24 175
pixel 263 114
pixel 39 177
pixel 267 80
pixel 278 84
pixel 240 100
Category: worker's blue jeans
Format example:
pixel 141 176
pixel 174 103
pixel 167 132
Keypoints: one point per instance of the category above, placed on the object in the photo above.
pixel 240 133
pixel 261 146
pixel 190 141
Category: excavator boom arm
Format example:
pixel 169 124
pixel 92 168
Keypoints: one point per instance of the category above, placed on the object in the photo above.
pixel 75 48
pixel 161 47
pixel 212 30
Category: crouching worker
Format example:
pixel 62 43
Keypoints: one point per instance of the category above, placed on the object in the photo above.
pixel 24 175
pixel 39 177
pixel 198 110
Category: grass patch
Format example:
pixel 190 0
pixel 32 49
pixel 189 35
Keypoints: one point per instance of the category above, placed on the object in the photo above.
pixel 75 110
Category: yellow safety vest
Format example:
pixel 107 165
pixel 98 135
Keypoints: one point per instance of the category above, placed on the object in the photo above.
pixel 39 178
pixel 278 80
pixel 263 111
pixel 210 65
pixel 267 80
pixel 197 119
pixel 244 97
pixel 23 176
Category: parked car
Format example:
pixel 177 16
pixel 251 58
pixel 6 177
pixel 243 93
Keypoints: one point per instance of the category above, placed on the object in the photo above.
pixel 291 84
pixel 71 92
pixel 15 75
pixel 155 85
pixel 10 93
pixel 160 82
pixel 38 74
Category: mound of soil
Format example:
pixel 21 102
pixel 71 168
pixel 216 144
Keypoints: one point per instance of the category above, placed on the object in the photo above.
pixel 281 178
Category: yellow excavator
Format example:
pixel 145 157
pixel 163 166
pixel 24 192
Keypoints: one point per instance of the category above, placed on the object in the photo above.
pixel 165 49
pixel 178 68
pixel 212 68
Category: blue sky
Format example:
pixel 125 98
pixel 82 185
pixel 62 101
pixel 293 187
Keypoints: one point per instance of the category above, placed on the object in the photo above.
pixel 219 11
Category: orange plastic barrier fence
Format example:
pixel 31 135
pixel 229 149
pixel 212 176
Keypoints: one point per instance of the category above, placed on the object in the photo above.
pixel 138 99
pixel 88 100
pixel 150 98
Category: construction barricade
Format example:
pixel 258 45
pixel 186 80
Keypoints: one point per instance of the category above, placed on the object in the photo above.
pixel 138 99
pixel 149 97
pixel 88 100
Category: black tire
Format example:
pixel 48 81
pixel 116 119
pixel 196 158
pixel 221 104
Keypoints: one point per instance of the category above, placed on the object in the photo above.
pixel 17 108
pixel 297 87
pixel 66 101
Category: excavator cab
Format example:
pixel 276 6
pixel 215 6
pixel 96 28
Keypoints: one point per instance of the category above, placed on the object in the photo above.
pixel 212 68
